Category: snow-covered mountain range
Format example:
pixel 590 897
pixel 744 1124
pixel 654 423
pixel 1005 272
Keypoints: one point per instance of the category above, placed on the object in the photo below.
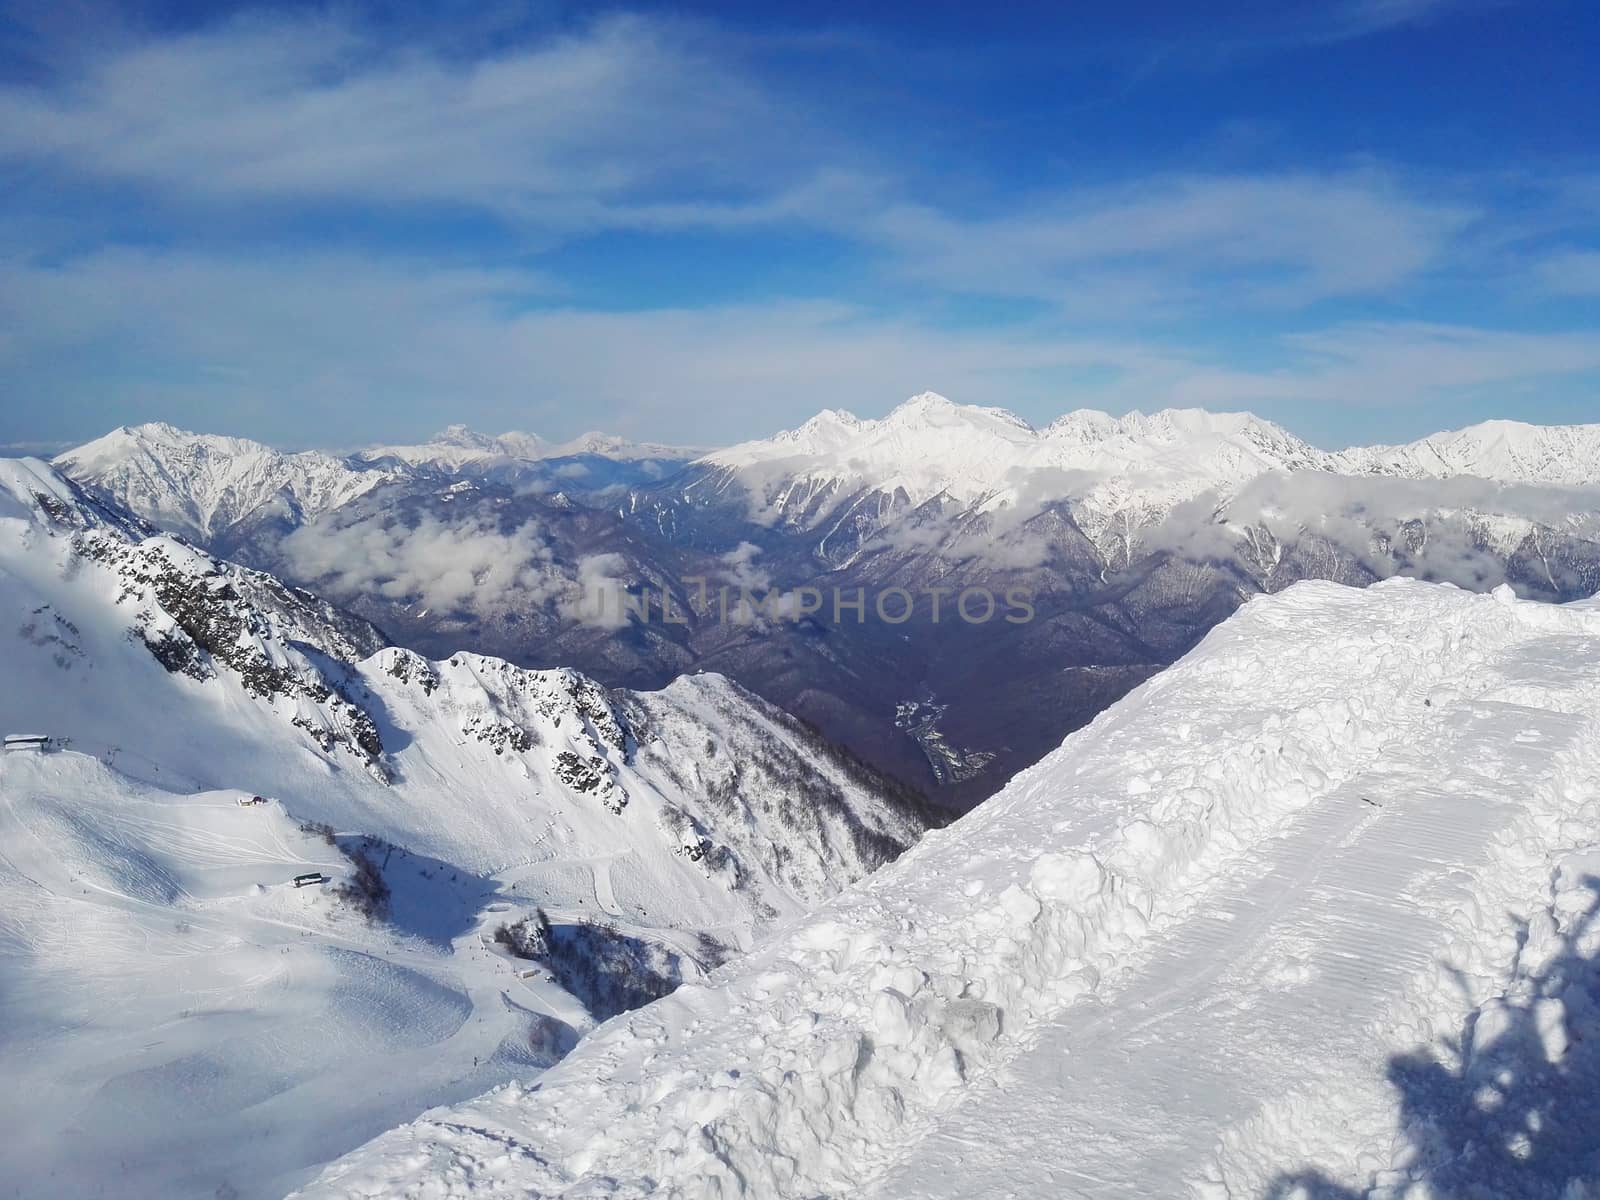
pixel 1133 535
pixel 224 491
pixel 458 448
pixel 1116 473
pixel 1313 913
pixel 930 447
pixel 181 1019
pixel 927 448
pixel 931 444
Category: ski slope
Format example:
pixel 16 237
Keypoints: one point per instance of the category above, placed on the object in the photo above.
pixel 1309 914
pixel 181 1020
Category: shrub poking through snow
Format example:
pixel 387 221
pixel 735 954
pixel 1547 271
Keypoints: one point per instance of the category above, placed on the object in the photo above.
pixel 366 890
pixel 528 938
pixel 606 970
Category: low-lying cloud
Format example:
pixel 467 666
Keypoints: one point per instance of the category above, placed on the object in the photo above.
pixel 1460 530
pixel 443 566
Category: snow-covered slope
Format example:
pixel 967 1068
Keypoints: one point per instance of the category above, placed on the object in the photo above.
pixel 201 485
pixel 1184 955
pixel 684 821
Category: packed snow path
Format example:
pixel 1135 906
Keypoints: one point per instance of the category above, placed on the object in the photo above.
pixel 1176 958
pixel 1283 974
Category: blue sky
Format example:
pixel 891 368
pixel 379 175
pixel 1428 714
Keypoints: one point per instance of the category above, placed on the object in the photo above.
pixel 332 224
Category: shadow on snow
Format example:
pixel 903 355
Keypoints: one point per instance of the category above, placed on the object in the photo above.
pixel 1518 1116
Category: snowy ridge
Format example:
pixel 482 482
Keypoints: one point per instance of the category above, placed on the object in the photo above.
pixel 33 492
pixel 819 1065
pixel 457 448
pixel 1506 451
pixel 198 485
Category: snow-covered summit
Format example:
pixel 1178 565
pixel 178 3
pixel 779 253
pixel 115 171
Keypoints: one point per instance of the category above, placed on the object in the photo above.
pixel 618 449
pixel 930 446
pixel 201 484
pixel 1504 451
pixel 457 446
pixel 1177 957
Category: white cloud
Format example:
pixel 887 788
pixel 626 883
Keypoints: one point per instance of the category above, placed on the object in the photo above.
pixel 354 349
pixel 627 120
pixel 740 570
pixel 598 599
pixel 1360 18
pixel 1456 530
pixel 636 123
pixel 439 565
pixel 469 564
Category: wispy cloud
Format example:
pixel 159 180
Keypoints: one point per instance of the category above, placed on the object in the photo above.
pixel 319 226
pixel 32 449
pixel 356 341
pixel 341 350
pixel 626 118
pixel 1362 18
pixel 1386 364
pixel 1277 239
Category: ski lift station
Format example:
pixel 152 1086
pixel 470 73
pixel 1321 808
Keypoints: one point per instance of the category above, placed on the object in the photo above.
pixel 37 742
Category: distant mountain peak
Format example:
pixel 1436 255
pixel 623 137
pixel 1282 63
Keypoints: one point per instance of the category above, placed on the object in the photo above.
pixel 461 435
pixel 931 446
pixel 1502 450
pixel 200 483
pixel 933 409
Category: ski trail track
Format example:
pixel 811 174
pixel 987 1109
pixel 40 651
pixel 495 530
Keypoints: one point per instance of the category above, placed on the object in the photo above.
pixel 1281 973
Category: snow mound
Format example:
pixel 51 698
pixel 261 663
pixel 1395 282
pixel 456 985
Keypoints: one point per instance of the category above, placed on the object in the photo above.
pixel 818 1065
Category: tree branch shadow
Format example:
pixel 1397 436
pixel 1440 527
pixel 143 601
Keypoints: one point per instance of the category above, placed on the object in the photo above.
pixel 1518 1115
